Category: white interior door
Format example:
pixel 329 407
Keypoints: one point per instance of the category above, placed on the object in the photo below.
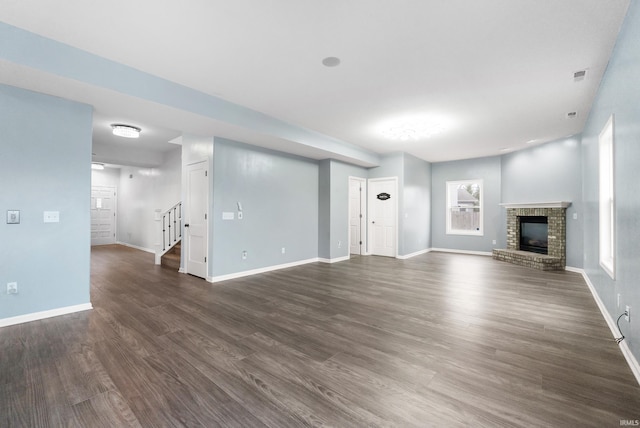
pixel 103 215
pixel 383 210
pixel 357 211
pixel 195 223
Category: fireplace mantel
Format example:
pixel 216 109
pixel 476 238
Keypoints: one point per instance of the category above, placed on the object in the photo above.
pixel 559 204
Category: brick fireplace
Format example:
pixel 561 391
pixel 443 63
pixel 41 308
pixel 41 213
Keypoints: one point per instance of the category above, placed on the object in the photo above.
pixel 556 243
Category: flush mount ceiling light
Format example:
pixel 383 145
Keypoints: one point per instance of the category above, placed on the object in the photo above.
pixel 126 131
pixel 413 129
pixel 331 61
pixel 96 165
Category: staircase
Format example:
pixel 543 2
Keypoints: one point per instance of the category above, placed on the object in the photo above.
pixel 170 232
pixel 171 259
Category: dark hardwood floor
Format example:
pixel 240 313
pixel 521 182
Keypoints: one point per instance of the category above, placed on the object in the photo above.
pixel 436 340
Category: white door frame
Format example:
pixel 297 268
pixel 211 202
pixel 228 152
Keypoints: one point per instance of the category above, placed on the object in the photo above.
pixel 186 236
pixel 363 211
pixel 370 200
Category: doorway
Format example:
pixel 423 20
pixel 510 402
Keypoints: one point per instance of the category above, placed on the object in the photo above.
pixel 357 215
pixel 383 216
pixel 103 215
pixel 196 220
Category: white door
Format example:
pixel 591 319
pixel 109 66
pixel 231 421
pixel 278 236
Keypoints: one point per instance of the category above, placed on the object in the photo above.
pixel 357 211
pixel 195 223
pixel 383 209
pixel 103 215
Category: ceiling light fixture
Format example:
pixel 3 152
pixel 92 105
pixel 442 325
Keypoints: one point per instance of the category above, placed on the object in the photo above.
pixel 126 131
pixel 413 129
pixel 97 166
pixel 331 61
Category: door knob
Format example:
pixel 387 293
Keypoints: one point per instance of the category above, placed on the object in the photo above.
pixel 186 225
pixel 373 222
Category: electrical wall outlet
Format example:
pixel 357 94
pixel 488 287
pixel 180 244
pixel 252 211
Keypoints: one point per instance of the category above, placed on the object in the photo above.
pixel 494 242
pixel 12 288
pixel 283 250
pixel 339 244
pixel 618 300
pixel 244 255
pixel 627 313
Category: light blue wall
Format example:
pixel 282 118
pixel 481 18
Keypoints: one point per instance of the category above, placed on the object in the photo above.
pixel 45 157
pixel 279 197
pixel 487 169
pixel 545 173
pixel 416 211
pixel 324 209
pixel 619 94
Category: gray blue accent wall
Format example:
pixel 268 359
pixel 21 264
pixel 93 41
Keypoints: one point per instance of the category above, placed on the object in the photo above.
pixel 546 173
pixel 416 209
pixel 619 94
pixel 279 197
pixel 45 158
pixel 486 169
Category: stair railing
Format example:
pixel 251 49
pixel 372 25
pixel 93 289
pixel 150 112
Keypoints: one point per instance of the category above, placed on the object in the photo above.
pixel 171 229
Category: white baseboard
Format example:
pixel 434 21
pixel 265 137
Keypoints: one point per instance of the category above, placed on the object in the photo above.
pixel 335 260
pixel 450 250
pixel 147 250
pixel 417 253
pixel 5 322
pixel 624 347
pixel 182 270
pixel 235 275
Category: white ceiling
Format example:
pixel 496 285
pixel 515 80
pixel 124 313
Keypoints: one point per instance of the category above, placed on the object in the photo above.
pixel 500 71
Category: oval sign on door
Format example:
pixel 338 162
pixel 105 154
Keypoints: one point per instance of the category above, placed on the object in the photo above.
pixel 383 196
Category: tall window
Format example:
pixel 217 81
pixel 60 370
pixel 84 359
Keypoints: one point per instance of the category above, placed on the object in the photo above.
pixel 464 207
pixel 607 200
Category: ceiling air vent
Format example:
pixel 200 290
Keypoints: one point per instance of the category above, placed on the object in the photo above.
pixel 579 75
pixel 572 115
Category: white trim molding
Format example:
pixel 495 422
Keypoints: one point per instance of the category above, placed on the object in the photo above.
pixel 235 275
pixel 147 250
pixel 417 253
pixel 555 204
pixel 20 319
pixel 624 347
pixel 334 260
pixel 451 250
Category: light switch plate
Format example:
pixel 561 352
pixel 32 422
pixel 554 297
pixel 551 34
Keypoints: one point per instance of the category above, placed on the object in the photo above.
pixel 13 217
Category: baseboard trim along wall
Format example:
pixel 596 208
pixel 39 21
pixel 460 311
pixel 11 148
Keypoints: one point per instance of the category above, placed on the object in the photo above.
pixel 335 260
pixel 5 322
pixel 449 250
pixel 417 253
pixel 624 347
pixel 235 275
pixel 148 250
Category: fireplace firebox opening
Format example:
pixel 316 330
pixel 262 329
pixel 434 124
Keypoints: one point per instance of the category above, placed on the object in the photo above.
pixel 534 234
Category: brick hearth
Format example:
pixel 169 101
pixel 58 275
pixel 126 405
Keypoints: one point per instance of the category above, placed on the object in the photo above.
pixel 557 225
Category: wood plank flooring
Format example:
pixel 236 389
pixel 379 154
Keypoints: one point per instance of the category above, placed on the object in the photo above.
pixel 436 340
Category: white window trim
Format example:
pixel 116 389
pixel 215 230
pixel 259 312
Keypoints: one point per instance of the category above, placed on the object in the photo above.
pixel 449 230
pixel 606 199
